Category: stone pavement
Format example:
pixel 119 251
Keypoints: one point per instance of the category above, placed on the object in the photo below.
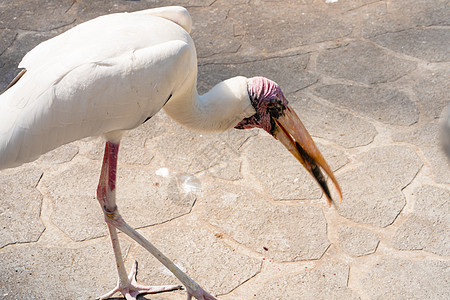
pixel 238 213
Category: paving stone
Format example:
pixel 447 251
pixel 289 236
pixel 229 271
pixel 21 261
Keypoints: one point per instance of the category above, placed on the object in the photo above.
pixel 7 37
pixel 9 60
pixel 328 281
pixel 60 155
pixel 396 278
pixel 357 242
pixel 428 227
pixel 332 124
pixel 207 151
pixel 427 137
pixel 24 16
pixel 213 33
pixel 228 170
pixel 370 196
pixel 142 202
pixel 362 62
pixel 385 105
pixel 294 43
pixel 269 161
pixel 278 228
pixel 264 21
pixel 301 2
pixel 133 150
pixel 199 253
pixel 84 11
pixel 394 16
pixel 73 191
pixel 21 206
pixel 348 4
pixel 432 88
pixel 94 148
pixel 430 44
pixel 36 272
pixel 272 68
pixel 132 147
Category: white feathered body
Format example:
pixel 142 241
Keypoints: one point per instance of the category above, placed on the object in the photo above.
pixel 108 74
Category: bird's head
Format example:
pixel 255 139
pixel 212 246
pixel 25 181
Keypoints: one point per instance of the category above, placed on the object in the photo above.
pixel 274 115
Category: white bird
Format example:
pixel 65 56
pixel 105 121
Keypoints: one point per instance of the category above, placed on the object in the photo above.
pixel 110 75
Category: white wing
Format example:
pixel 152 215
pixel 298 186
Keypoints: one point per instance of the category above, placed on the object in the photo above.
pixel 121 75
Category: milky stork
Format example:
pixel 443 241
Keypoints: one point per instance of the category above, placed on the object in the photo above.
pixel 113 73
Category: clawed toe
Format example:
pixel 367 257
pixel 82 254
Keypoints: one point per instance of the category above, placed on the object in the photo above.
pixel 133 289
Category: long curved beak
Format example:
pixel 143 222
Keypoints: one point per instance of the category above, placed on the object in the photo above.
pixel 291 132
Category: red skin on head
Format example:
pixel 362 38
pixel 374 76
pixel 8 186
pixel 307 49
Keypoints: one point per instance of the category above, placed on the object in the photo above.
pixel 268 100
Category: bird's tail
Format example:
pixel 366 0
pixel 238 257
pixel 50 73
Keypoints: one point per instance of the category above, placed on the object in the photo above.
pixel 14 81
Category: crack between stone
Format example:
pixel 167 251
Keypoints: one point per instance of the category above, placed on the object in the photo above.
pixel 247 280
pixel 364 5
pixel 169 220
pixel 71 5
pixel 252 61
pixel 406 29
pixel 44 31
pixel 10 44
pixel 220 53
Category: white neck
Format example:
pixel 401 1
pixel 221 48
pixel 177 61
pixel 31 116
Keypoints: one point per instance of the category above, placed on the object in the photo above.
pixel 222 108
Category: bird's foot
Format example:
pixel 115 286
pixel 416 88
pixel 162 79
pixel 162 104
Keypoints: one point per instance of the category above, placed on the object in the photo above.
pixel 199 294
pixel 133 289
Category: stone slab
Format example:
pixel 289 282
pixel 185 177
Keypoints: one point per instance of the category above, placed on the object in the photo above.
pixel 7 37
pixel 207 151
pixel 11 57
pixel 279 232
pixel 24 16
pixel 430 44
pixel 349 5
pixel 269 161
pixel 268 20
pixel 204 256
pixel 60 155
pixel 395 16
pixel 428 227
pixel 427 138
pixel 233 245
pixel 36 272
pixel 384 105
pixel 396 278
pixel 432 88
pixel 370 196
pixel 20 208
pixel 214 33
pixel 362 62
pixel 274 68
pixel 73 190
pixel 328 281
pixel 357 242
pixel 338 126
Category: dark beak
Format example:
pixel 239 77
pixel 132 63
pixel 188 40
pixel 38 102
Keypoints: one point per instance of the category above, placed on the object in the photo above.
pixel 292 133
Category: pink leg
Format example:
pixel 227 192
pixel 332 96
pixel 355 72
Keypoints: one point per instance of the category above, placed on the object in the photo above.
pixel 127 285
